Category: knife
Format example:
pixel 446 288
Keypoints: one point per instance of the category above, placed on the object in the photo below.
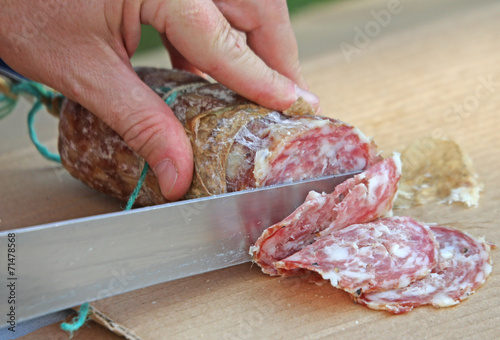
pixel 64 264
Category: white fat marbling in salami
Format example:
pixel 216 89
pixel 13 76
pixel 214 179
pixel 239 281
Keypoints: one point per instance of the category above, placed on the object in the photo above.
pixel 463 266
pixel 385 254
pixel 360 199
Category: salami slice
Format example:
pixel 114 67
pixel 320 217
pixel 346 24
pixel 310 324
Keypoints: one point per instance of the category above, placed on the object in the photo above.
pixel 385 254
pixel 236 144
pixel 360 199
pixel 463 266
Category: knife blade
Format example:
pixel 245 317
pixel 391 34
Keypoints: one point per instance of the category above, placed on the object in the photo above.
pixel 64 264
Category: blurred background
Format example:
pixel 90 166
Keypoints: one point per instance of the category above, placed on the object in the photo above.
pixel 150 39
pixel 324 26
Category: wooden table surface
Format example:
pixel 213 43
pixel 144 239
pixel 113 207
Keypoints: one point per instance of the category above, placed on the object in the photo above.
pixel 439 79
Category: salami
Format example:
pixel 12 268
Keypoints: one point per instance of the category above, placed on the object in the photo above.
pixel 363 198
pixel 385 254
pixel 463 266
pixel 236 144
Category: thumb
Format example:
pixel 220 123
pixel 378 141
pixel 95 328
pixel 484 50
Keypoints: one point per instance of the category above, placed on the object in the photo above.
pixel 145 122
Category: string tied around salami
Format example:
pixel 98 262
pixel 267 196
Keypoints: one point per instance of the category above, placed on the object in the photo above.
pixel 171 93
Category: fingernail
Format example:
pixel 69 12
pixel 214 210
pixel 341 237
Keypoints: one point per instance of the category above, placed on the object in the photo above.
pixel 166 172
pixel 309 97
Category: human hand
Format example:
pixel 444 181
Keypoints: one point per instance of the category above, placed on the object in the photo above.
pixel 82 49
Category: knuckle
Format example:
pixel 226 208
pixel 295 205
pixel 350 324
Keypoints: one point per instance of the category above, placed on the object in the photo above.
pixel 196 15
pixel 276 83
pixel 158 21
pixel 73 88
pixel 278 12
pixel 279 6
pixel 277 93
pixel 295 68
pixel 243 14
pixel 228 45
pixel 228 37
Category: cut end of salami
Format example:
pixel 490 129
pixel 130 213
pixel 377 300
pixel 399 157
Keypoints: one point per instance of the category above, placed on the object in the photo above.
pixel 463 265
pixel 300 148
pixel 363 198
pixel 381 255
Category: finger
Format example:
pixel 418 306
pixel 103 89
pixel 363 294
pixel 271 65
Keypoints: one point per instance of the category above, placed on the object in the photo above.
pixel 130 26
pixel 269 33
pixel 177 60
pixel 114 93
pixel 277 46
pixel 203 36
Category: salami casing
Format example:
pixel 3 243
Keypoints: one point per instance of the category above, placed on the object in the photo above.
pixel 463 266
pixel 385 254
pixel 361 199
pixel 236 144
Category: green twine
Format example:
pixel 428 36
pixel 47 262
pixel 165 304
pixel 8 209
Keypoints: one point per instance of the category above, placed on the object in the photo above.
pixel 34 138
pixel 133 197
pixel 171 93
pixel 80 319
pixel 32 88
pixel 171 98
pixel 39 92
pixel 77 321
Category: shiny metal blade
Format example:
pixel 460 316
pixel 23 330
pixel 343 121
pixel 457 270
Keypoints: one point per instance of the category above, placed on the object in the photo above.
pixel 60 265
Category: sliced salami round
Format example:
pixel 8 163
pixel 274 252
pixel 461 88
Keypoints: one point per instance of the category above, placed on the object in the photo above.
pixel 385 254
pixel 463 266
pixel 363 198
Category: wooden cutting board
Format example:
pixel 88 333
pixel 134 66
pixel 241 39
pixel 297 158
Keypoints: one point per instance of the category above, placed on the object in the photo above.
pixel 441 79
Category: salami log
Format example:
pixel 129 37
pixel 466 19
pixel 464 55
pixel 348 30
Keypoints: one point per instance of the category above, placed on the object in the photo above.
pixel 463 266
pixel 385 254
pixel 236 144
pixel 361 199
